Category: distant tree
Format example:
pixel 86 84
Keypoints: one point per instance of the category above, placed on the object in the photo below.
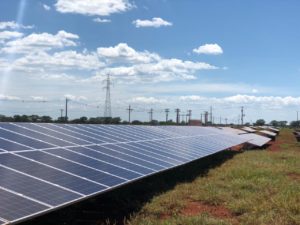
pixel 115 120
pixel 247 124
pixel 295 124
pixel 136 122
pixel 274 123
pixel 260 122
pixel 282 123
pixel 46 119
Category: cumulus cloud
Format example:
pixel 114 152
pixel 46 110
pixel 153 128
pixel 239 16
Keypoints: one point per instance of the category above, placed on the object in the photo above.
pixel 191 98
pixel 38 98
pixel 209 49
pixel 99 20
pixel 5 35
pixel 123 53
pixel 8 98
pixel 40 42
pixel 93 7
pixel 63 60
pixel 143 66
pixel 46 7
pixel 75 98
pixel 13 25
pixel 147 100
pixel 275 100
pixel 154 22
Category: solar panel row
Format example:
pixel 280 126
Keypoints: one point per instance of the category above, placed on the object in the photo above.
pixel 46 166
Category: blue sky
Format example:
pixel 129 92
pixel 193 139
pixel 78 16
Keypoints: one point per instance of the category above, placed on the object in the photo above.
pixel 161 54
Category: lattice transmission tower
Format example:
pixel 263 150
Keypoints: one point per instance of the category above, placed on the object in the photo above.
pixel 107 106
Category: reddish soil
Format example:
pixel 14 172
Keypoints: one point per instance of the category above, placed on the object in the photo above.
pixel 275 146
pixel 195 208
pixel 237 147
pixel 294 176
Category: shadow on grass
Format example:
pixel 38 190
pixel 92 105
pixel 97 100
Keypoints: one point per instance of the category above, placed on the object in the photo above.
pixel 122 202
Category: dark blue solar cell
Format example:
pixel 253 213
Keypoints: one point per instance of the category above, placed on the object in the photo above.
pixel 141 155
pixel 11 146
pixel 100 165
pixel 129 158
pixel 165 151
pixel 92 137
pixel 65 130
pixel 35 188
pixel 112 133
pixel 96 153
pixel 35 135
pixel 151 153
pixel 82 171
pixel 24 140
pixel 14 207
pixel 40 128
pixel 107 137
pixel 49 174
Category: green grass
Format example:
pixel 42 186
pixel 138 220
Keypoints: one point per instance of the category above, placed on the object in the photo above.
pixel 257 187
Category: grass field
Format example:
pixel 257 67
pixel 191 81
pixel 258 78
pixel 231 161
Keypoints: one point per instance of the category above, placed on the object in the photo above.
pixel 252 187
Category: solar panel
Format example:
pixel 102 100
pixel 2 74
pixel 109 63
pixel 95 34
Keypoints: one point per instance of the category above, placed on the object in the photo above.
pixel 248 129
pixel 46 166
pixel 256 139
pixel 269 133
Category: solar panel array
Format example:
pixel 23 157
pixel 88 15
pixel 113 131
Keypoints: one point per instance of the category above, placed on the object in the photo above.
pixel 47 166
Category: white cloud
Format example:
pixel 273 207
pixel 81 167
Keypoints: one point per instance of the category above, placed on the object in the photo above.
pixel 13 25
pixel 147 100
pixel 93 7
pixel 272 100
pixel 191 98
pixel 38 98
pixel 123 53
pixel 154 22
pixel 209 49
pixel 60 61
pixel 5 35
pixel 99 20
pixel 46 7
pixel 254 90
pixel 75 98
pixel 8 98
pixel 128 64
pixel 40 42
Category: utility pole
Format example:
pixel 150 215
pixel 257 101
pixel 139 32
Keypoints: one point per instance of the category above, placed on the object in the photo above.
pixel 226 121
pixel 107 107
pixel 167 114
pixel 211 115
pixel 177 115
pixel 205 117
pixel 201 117
pixel 242 115
pixel 220 120
pixel 189 115
pixel 151 115
pixel 297 116
pixel 66 111
pixel 61 113
pixel 129 112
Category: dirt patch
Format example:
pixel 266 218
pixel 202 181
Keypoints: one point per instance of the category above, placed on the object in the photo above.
pixel 196 208
pixel 294 176
pixel 275 146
